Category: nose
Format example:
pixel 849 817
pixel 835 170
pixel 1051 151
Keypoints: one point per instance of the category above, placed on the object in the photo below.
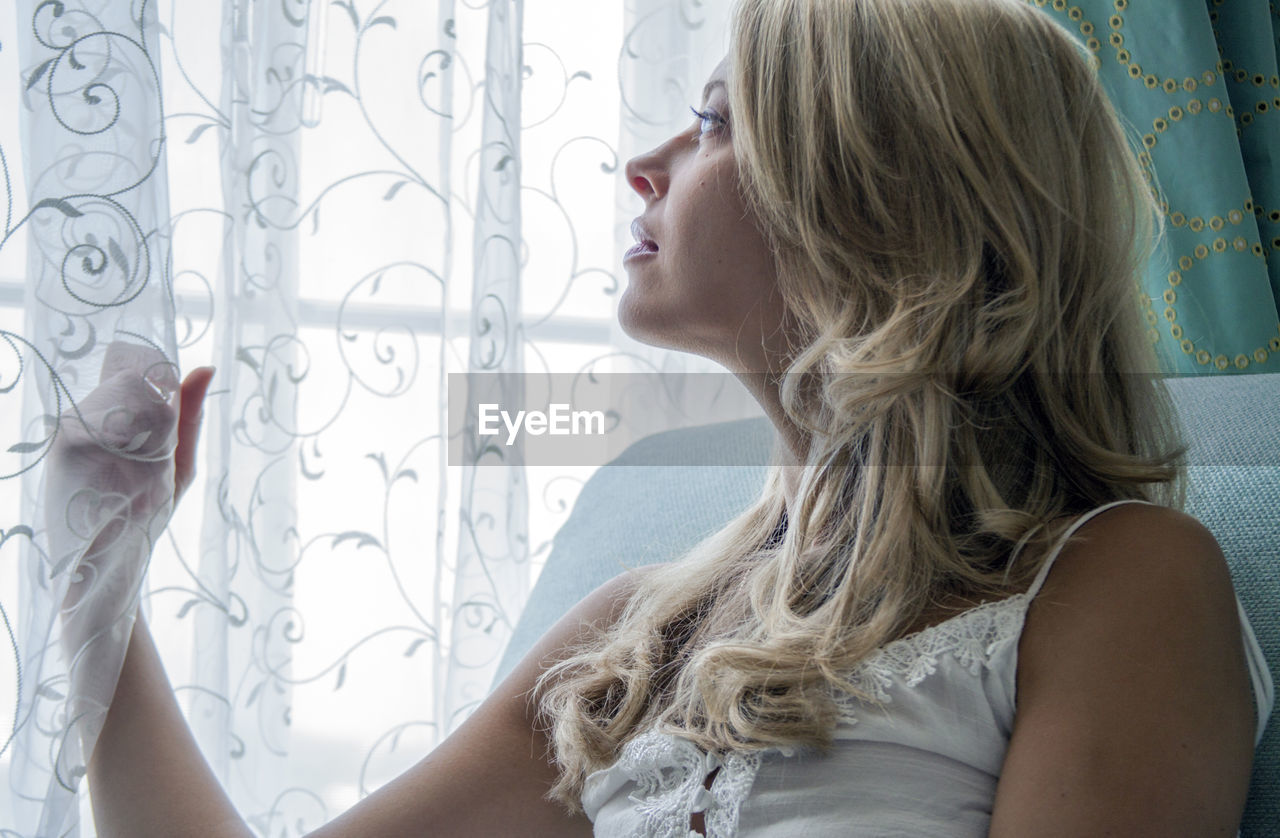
pixel 647 174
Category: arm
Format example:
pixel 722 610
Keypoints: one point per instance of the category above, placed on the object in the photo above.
pixel 1133 710
pixel 146 753
pixel 488 778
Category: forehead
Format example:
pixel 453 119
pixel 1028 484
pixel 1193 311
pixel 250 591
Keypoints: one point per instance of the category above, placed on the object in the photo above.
pixel 719 76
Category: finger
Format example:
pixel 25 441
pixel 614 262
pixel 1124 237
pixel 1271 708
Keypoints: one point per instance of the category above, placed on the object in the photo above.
pixel 124 416
pixel 122 356
pixel 140 359
pixel 194 388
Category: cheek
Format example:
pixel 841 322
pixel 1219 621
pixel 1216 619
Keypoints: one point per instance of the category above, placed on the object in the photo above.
pixel 715 219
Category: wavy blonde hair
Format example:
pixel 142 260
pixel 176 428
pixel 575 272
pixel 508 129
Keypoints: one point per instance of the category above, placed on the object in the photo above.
pixel 959 223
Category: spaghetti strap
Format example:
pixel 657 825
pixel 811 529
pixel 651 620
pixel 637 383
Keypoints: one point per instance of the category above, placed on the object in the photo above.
pixel 1053 554
pixel 1264 688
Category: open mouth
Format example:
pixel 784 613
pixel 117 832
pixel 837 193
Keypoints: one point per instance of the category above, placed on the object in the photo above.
pixel 642 247
pixel 645 244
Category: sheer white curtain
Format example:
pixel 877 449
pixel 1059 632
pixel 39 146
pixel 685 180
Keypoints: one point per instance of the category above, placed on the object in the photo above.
pixel 340 204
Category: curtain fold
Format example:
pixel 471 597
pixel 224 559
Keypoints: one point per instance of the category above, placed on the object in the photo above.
pixel 243 570
pixel 491 579
pixel 98 309
pixel 359 210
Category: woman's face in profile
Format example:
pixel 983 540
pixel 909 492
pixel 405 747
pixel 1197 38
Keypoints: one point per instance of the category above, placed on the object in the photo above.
pixel 707 284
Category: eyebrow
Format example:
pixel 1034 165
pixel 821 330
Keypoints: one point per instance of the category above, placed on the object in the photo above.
pixel 711 85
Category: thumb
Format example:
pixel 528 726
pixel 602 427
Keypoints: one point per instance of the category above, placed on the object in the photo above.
pixel 191 410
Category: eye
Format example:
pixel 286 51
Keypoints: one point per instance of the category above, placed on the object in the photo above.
pixel 704 117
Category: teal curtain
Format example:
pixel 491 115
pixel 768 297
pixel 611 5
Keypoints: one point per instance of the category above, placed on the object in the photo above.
pixel 1197 82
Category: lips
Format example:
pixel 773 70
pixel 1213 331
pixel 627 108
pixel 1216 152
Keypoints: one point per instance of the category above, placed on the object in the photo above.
pixel 645 241
pixel 642 249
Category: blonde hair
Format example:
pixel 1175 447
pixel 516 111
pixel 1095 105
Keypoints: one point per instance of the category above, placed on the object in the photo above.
pixel 959 224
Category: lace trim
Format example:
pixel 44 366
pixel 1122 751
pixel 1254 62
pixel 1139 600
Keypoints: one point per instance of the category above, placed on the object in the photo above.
pixel 670 771
pixel 972 637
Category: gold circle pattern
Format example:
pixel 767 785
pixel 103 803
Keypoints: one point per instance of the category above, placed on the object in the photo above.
pixel 1175 115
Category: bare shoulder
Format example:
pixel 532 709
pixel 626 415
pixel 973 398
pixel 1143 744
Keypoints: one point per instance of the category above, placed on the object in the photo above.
pixel 1133 714
pixel 598 610
pixel 1136 566
pixel 1135 540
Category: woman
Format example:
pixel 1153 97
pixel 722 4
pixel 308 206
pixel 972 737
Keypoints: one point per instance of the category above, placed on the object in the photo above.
pixel 912 228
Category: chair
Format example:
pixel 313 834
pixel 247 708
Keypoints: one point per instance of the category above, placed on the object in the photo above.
pixel 631 514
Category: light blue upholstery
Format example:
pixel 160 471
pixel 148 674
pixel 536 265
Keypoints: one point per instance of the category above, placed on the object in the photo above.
pixel 629 514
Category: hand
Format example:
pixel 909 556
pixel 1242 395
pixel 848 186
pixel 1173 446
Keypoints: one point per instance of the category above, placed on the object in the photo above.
pixel 117 468
pixel 110 490
pixel 111 461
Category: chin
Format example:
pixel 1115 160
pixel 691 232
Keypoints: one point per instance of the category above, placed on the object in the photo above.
pixel 644 333
pixel 638 323
pixel 665 327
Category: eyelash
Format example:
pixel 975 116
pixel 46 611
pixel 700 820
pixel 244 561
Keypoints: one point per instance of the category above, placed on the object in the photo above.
pixel 704 116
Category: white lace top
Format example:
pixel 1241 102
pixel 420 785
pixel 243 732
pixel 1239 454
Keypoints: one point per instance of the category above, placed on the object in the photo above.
pixel 926 764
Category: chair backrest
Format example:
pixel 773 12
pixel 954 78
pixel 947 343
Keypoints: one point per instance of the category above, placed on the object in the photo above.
pixel 1233 426
pixel 631 514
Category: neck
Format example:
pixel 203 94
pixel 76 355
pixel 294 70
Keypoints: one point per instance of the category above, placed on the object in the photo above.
pixel 765 387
